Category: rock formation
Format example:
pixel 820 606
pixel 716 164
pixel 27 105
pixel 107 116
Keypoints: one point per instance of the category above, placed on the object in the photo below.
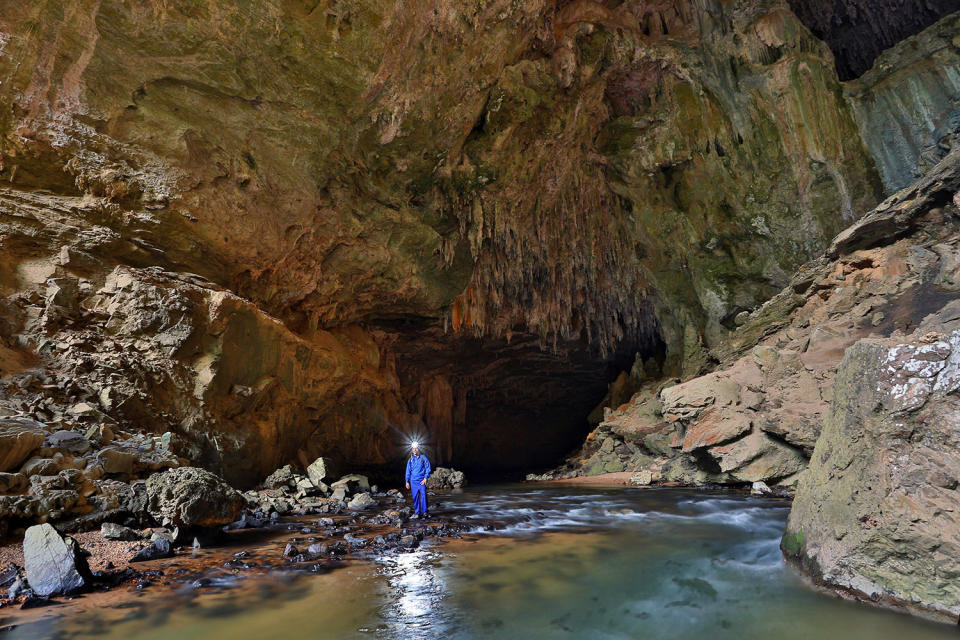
pixel 759 415
pixel 301 229
pixel 875 514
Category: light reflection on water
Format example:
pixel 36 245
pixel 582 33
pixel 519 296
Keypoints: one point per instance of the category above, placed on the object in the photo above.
pixel 564 562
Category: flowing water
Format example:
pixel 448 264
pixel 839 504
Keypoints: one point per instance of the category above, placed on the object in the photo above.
pixel 561 563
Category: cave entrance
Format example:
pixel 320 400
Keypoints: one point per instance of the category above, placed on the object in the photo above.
pixel 496 408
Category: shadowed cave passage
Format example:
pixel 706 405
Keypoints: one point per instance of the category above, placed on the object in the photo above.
pixel 495 408
pixel 858 31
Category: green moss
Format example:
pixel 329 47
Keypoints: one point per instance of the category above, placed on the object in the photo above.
pixel 792 543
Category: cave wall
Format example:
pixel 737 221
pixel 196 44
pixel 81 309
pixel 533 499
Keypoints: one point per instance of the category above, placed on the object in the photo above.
pixel 908 106
pixel 571 173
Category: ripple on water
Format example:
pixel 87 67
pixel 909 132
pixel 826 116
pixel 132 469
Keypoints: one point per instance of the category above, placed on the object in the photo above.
pixel 565 562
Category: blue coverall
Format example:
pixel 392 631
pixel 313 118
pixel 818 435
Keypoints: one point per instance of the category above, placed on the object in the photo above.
pixel 418 468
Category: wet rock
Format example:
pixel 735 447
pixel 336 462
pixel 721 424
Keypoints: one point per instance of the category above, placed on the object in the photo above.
pixel 290 550
pixel 444 479
pixel 19 438
pixel 319 549
pixel 192 497
pixel 361 501
pixel 112 531
pixel 53 563
pixel 159 548
pixel 246 521
pixel 760 489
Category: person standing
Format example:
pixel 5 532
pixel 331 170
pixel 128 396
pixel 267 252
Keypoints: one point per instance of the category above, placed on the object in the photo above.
pixel 418 470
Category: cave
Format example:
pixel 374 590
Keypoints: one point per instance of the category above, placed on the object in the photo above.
pixel 498 408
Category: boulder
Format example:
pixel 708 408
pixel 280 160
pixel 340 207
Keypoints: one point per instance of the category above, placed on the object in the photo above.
pixel 317 471
pixel 159 548
pixel 112 531
pixel 758 457
pixel 351 484
pixel 713 428
pixel 443 479
pixel 68 441
pixel 19 438
pixel 117 460
pixel 361 501
pixel 339 494
pixel 53 563
pixel 760 489
pixel 192 497
pixel 127 460
pixel 875 512
pixel 282 477
pixel 41 467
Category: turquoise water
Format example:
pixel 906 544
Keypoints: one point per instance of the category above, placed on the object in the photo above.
pixel 564 563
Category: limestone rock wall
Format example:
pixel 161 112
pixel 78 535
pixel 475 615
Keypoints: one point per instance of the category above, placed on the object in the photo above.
pixel 906 106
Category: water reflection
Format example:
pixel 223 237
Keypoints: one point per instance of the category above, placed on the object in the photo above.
pixel 416 593
pixel 561 562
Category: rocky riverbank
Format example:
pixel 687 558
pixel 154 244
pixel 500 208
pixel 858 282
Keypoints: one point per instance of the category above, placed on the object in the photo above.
pixel 842 388
pixel 190 510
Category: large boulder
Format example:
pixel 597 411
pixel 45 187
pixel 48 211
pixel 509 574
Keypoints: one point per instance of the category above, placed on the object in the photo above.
pixel 281 478
pixel 444 479
pixel 318 471
pixel 876 512
pixel 361 501
pixel 351 484
pixel 192 497
pixel 19 437
pixel 53 563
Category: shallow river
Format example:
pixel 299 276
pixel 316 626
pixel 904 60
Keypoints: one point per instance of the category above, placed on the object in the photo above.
pixel 568 562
